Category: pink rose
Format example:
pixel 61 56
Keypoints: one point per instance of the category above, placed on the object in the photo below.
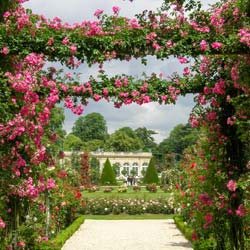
pixel 116 9
pixel 231 185
pixel 203 45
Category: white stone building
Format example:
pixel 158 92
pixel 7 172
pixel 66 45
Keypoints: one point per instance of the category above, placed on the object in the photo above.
pixel 127 161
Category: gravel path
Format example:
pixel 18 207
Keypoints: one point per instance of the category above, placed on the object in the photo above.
pixel 127 235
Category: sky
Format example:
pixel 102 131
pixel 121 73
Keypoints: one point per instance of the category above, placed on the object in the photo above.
pixel 160 118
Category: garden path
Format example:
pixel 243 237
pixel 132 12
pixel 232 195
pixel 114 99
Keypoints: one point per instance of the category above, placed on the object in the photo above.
pixel 127 235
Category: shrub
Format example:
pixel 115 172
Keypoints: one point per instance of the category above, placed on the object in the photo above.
pixel 108 175
pixel 151 175
pixel 59 241
pixel 122 190
pixel 92 189
pixel 136 188
pixel 107 189
pixel 151 188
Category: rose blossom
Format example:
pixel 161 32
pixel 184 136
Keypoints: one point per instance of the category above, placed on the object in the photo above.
pixel 231 185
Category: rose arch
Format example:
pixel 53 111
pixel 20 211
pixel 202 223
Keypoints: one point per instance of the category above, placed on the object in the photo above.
pixel 218 41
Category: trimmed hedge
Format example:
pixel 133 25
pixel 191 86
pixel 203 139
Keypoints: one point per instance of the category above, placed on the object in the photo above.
pixel 58 242
pixel 108 175
pixel 151 175
pixel 186 231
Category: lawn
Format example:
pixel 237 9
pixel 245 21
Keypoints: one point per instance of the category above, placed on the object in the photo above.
pixel 142 194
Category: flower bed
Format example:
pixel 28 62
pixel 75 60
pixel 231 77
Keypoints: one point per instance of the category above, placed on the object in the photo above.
pixel 104 206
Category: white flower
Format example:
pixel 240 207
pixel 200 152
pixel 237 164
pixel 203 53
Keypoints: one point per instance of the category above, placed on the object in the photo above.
pixel 106 209
pixel 35 219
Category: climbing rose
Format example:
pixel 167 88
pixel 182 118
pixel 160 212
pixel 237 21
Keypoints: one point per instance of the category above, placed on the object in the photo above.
pixel 203 45
pixel 98 13
pixel 21 244
pixel 5 51
pixel 231 185
pixel 116 9
pixel 2 224
pixel 216 45
pixel 51 183
pixel 241 211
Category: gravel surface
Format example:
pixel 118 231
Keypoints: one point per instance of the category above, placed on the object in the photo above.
pixel 127 235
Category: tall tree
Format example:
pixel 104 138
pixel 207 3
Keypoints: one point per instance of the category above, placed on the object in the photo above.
pixel 72 143
pixel 108 175
pixel 146 136
pixel 151 175
pixel 180 138
pixel 94 170
pixel 120 141
pixel 90 127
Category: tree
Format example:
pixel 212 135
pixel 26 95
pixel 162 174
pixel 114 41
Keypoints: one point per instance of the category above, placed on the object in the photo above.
pixel 94 170
pixel 72 143
pixel 181 137
pixel 151 175
pixel 145 135
pixel 124 140
pixel 90 127
pixel 108 175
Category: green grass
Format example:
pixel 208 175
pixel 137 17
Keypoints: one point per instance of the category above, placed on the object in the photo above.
pixel 130 194
pixel 129 217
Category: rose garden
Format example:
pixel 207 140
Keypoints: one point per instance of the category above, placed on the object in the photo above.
pixel 40 199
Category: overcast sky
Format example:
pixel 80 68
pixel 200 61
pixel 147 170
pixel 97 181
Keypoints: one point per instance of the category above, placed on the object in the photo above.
pixel 160 118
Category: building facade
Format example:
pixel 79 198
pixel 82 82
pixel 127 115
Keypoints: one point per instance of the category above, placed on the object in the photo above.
pixel 128 163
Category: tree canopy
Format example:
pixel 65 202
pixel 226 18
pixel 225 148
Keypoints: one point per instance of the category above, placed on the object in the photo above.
pixel 90 127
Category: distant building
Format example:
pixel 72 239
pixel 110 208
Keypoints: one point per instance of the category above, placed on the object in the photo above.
pixel 126 161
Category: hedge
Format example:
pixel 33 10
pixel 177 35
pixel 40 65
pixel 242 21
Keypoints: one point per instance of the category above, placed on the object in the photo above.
pixel 58 242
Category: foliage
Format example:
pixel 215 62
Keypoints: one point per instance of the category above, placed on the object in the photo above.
pixel 123 141
pixel 181 137
pixel 108 175
pixel 90 127
pixel 94 170
pixel 127 206
pixel 122 189
pixel 72 143
pixel 145 135
pixel 151 187
pixel 59 241
pixel 151 175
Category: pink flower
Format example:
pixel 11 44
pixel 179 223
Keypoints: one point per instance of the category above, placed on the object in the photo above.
pixel 73 49
pixel 5 51
pixel 65 41
pixel 2 224
pixel 50 41
pixel 203 45
pixel 21 244
pixel 116 9
pixel 216 45
pixel 98 13
pixel 105 92
pixel 208 217
pixel 51 183
pixel 186 71
pixel 231 185
pixel 241 211
pixel 97 97
pixel 182 60
pixel 194 237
